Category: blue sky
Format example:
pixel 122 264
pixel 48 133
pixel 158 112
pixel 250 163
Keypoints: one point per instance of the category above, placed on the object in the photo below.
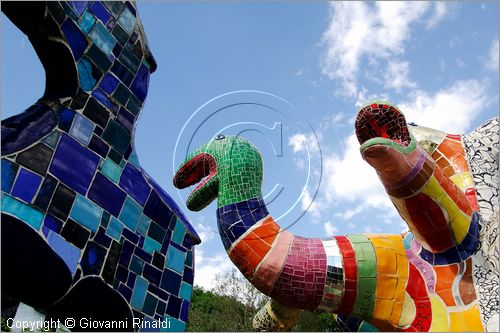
pixel 316 62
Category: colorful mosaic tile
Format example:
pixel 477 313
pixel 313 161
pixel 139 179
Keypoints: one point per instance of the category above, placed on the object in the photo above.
pixel 70 172
pixel 431 278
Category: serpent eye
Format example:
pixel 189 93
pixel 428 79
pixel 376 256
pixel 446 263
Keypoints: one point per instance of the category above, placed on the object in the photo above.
pixel 220 137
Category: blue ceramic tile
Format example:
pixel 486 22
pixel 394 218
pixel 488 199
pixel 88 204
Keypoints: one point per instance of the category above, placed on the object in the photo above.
pixel 175 325
pixel 186 290
pixel 134 184
pixel 188 275
pixel 22 211
pixel 130 213
pixel 38 120
pixel 139 293
pixel 170 281
pixel 67 251
pixel 26 185
pixel 116 136
pixel 131 279
pixel 121 273
pixel 151 245
pixel 82 129
pixel 127 21
pixel 102 238
pixel 52 223
pixel 102 38
pixel 184 311
pixel 101 97
pixel 98 146
pixel 122 73
pixel 171 205
pixel 74 165
pixel 106 194
pixel 100 12
pixel 93 259
pixel 156 232
pixel 130 235
pixel 143 254
pixel 9 171
pixel 87 22
pixel 125 291
pixel 133 159
pixel 86 213
pixel 126 254
pixel 45 193
pixel 174 306
pixel 115 228
pixel 126 119
pixel 149 325
pixel 152 274
pixel 86 79
pixel 156 209
pixel 175 259
pixel 75 38
pixel 140 84
pixel 143 225
pixel 45 231
pixel 179 232
pixel 79 6
pixel 66 117
pixel 136 265
pixel 52 139
pixel 189 259
pixel 149 304
pixel 160 308
pixel 158 292
pixel 109 83
pixel 111 170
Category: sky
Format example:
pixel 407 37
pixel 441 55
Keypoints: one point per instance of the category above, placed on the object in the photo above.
pixel 290 77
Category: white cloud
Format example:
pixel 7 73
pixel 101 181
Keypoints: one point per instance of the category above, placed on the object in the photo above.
pixel 397 75
pixel 311 204
pixel 492 61
pixel 451 109
pixel 349 177
pixel 348 180
pixel 206 233
pixel 300 72
pixel 330 230
pixel 356 29
pixel 303 143
pixel 208 266
pixel 440 10
pixel 349 213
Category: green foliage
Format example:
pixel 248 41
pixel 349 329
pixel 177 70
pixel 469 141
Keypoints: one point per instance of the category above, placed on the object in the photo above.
pixel 316 321
pixel 231 304
pixel 215 313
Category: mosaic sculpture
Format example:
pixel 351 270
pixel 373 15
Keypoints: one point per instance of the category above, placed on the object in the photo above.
pixel 85 231
pixel 442 275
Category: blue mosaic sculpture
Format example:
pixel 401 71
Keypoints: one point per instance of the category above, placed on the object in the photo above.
pixel 85 231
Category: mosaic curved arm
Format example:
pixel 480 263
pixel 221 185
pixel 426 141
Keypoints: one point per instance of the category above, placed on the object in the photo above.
pixel 392 282
pixel 86 232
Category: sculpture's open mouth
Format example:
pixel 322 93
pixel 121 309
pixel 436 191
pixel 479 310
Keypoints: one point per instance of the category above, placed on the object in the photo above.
pixel 380 123
pixel 201 167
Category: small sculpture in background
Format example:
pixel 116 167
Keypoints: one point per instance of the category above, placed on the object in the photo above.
pixel 86 233
pixel 441 275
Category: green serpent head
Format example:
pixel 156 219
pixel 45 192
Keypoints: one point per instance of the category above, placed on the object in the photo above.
pixel 231 169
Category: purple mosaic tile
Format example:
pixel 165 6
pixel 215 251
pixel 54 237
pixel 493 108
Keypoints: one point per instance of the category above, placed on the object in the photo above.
pixel 73 164
pixel 106 194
